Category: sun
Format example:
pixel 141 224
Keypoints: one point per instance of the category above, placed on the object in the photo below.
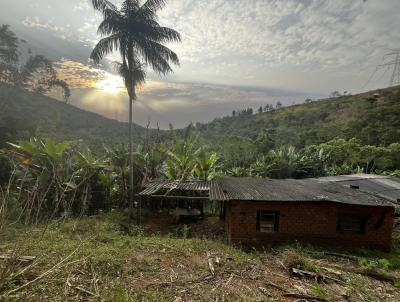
pixel 111 84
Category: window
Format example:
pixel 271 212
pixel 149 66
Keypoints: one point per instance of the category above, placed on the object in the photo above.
pixel 267 221
pixel 351 224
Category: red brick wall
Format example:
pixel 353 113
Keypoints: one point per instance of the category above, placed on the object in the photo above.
pixel 311 222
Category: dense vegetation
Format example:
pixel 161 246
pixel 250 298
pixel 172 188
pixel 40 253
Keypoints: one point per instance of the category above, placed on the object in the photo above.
pixel 371 117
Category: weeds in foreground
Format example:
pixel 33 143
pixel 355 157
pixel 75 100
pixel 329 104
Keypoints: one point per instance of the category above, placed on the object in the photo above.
pixel 128 266
pixel 318 291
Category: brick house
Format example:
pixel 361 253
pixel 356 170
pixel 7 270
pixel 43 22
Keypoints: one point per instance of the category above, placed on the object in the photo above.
pixel 266 211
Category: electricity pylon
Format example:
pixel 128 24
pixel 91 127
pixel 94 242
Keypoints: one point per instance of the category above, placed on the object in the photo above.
pixel 392 59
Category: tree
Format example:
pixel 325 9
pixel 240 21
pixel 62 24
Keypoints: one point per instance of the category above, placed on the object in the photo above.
pixel 268 107
pixel 133 30
pixel 266 140
pixel 260 109
pixel 278 105
pixel 9 55
pixel 37 73
pixel 335 94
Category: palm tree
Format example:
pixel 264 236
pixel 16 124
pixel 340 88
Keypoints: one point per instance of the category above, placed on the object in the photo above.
pixel 132 30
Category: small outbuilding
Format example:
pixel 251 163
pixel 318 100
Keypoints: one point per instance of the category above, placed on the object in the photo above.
pixel 181 198
pixel 323 211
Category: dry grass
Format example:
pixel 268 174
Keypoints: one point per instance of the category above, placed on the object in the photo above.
pixel 92 259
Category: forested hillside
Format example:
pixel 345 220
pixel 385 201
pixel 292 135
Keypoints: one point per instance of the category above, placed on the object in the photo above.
pixel 22 113
pixel 372 117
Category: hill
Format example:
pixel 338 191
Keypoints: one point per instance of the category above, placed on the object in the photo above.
pixel 22 113
pixel 372 117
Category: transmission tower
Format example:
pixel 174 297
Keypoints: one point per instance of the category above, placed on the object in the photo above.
pixel 392 60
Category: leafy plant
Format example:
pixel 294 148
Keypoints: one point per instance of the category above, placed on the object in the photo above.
pixel 181 156
pixel 56 178
pixel 206 165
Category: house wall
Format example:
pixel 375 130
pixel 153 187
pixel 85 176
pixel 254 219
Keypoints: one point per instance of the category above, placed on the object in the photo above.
pixel 311 222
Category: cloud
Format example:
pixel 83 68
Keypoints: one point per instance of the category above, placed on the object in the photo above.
pixel 82 5
pixel 35 22
pixel 79 75
pixel 317 33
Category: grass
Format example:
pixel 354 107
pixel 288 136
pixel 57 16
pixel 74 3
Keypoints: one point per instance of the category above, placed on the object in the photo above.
pixel 319 291
pixel 109 263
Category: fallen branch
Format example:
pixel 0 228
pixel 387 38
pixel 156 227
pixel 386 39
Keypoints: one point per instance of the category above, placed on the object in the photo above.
pixel 272 284
pixel 350 257
pixel 210 264
pixel 23 259
pixel 318 277
pixel 81 289
pixel 265 291
pixel 376 275
pixel 380 276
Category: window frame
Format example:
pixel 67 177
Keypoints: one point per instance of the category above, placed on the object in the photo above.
pixel 340 220
pixel 275 221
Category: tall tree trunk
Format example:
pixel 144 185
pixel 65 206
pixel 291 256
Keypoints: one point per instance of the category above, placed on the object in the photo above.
pixel 131 201
pixel 130 151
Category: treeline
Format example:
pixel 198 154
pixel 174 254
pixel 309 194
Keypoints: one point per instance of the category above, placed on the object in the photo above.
pixel 246 112
pixel 261 109
pixel 42 178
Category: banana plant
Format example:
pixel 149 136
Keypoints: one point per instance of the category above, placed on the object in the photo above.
pixel 181 157
pixel 206 165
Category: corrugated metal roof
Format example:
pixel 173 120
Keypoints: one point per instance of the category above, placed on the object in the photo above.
pixel 386 187
pixel 372 189
pixel 193 185
pixel 262 189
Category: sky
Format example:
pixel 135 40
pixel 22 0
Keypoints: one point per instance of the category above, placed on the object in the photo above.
pixel 234 54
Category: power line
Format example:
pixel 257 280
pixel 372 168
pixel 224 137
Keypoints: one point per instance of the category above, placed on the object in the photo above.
pixel 392 60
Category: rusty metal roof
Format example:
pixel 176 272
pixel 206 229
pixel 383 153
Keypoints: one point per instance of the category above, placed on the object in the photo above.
pixel 192 185
pixel 387 187
pixel 295 190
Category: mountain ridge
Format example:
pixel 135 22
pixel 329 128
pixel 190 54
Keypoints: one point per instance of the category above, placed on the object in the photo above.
pixel 371 117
